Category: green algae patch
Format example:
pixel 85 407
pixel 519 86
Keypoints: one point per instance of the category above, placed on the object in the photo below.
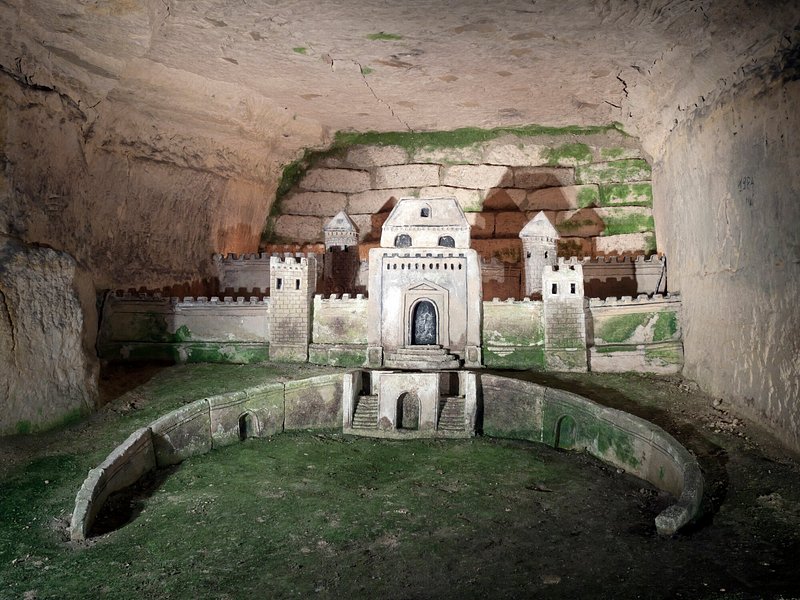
pixel 589 431
pixel 182 334
pixel 618 171
pixel 627 223
pixel 568 155
pixel 650 244
pixel 620 328
pixel 669 355
pixel 300 50
pixel 588 196
pixel 458 138
pixel 520 357
pixel 666 326
pixel 626 194
pixel 384 37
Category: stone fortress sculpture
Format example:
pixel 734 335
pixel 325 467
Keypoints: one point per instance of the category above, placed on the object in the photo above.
pixel 405 344
pixel 423 309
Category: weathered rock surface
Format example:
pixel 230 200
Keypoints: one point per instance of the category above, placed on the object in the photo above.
pixel 48 368
pixel 732 234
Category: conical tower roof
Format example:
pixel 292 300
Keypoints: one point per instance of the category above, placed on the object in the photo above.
pixel 539 226
pixel 340 222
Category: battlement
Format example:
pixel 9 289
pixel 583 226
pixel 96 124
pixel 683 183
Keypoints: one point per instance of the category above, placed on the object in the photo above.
pixel 337 298
pixel 425 255
pixel 257 257
pixel 641 299
pixel 157 298
pixel 511 301
pixel 614 260
pixel 288 261
pixel 564 268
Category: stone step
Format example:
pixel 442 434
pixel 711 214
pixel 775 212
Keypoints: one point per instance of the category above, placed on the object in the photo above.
pixel 366 413
pixel 451 413
pixel 415 350
pixel 421 365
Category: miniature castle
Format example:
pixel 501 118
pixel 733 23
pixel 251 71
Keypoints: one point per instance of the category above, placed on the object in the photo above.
pixel 423 309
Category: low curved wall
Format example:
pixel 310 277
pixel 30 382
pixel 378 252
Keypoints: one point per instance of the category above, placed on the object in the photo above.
pixel 524 410
pixel 199 426
pixel 511 409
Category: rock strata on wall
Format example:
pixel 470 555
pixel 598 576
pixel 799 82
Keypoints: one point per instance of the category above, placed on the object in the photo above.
pixel 48 372
pixel 594 187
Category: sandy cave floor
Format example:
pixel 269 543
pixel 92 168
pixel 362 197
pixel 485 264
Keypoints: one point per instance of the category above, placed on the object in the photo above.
pixel 325 515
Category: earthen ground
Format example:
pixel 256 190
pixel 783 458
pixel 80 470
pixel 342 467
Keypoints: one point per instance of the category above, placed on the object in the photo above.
pixel 481 518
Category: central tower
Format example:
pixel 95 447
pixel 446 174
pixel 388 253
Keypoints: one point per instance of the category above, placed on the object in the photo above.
pixel 424 289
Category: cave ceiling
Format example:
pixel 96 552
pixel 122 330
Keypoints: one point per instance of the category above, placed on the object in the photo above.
pixel 285 74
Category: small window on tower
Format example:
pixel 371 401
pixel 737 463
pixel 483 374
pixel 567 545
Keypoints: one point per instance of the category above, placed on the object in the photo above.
pixel 554 289
pixel 297 284
pixel 545 254
pixel 571 288
pixel 425 212
pixel 529 255
pixel 279 283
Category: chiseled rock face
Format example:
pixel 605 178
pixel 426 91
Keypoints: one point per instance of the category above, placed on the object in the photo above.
pixel 731 235
pixel 47 328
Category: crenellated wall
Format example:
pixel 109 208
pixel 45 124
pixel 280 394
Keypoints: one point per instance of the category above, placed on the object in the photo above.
pixel 190 329
pixel 339 335
pixel 642 334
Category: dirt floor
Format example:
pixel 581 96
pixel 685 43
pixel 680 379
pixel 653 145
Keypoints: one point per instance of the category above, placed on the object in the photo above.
pixel 329 516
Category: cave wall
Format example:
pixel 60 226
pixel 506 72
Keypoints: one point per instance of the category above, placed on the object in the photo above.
pixel 47 333
pixel 728 217
pixel 133 206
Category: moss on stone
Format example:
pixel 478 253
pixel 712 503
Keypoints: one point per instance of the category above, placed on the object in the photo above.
pixel 458 138
pixel 620 328
pixel 568 154
pixel 611 153
pixel 24 427
pixel 589 431
pixel 300 50
pixel 519 358
pixel 628 223
pixel 626 194
pixel 618 171
pixel 570 225
pixel 384 37
pixel 669 355
pixel 666 326
pixel 588 196
pixel 182 334
pixel 650 244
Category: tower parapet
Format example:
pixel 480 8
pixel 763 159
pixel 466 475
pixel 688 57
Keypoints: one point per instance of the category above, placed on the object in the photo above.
pixel 564 317
pixel 292 288
pixel 539 239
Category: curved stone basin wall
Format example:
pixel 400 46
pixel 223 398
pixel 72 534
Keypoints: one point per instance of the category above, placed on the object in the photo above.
pixel 511 409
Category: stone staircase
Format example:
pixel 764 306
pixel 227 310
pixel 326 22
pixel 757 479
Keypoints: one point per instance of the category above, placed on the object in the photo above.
pixel 451 414
pixel 366 413
pixel 422 358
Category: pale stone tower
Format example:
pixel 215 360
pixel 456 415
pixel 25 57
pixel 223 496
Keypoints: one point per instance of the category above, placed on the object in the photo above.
pixel 292 287
pixel 564 317
pixel 340 232
pixel 539 239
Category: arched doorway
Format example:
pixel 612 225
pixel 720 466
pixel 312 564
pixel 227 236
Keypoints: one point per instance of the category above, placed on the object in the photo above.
pixel 408 411
pixel 565 433
pixel 424 324
pixel 248 426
